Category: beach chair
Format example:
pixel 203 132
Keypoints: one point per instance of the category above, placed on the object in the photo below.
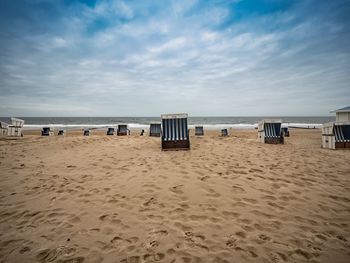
pixel 155 129
pixel 336 135
pixel 122 130
pixel 110 131
pixel 46 131
pixel 15 129
pixel 175 132
pixel 269 131
pixel 61 132
pixel 224 132
pixel 3 128
pixel 198 131
pixel 285 131
pixel 87 132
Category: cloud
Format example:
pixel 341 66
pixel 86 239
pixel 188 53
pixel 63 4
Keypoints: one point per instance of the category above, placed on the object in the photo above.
pixel 148 57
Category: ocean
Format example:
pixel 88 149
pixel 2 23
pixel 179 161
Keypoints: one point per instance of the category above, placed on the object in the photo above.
pixel 143 122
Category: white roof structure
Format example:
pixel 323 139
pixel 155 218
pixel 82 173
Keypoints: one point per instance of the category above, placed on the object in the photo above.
pixel 345 109
pixel 175 116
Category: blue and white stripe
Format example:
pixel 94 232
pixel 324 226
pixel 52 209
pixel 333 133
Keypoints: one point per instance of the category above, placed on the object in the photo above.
pixel 175 129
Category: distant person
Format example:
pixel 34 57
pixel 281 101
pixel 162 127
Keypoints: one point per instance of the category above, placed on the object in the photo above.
pixel 142 132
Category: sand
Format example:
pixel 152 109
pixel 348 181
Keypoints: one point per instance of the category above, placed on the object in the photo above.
pixel 121 199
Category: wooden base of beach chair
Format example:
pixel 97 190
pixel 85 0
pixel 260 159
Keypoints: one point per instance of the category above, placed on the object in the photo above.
pixel 176 145
pixel 154 134
pixel 342 145
pixel 122 133
pixel 274 140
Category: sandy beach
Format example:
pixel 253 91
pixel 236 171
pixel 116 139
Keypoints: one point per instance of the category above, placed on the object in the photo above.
pixel 122 199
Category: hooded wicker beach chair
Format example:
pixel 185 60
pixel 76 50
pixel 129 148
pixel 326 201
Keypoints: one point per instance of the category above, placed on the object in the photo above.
pixel 3 129
pixel 155 129
pixel 15 129
pixel 269 131
pixel 47 131
pixel 110 131
pixel 87 132
pixel 198 131
pixel 175 133
pixel 122 130
pixel 61 132
pixel 336 135
pixel 224 132
pixel 285 131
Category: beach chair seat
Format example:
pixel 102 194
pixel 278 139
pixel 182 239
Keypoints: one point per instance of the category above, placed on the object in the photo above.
pixel 175 133
pixel 155 129
pixel 110 131
pixel 198 131
pixel 122 130
pixel 224 132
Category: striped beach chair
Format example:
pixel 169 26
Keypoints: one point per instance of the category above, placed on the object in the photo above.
pixel 198 131
pixel 122 130
pixel 342 135
pixel 269 131
pixel 175 131
pixel 155 129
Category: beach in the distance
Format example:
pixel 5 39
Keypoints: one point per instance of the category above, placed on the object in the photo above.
pixel 121 199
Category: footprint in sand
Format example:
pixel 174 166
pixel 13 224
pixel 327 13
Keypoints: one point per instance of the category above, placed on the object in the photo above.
pixel 177 189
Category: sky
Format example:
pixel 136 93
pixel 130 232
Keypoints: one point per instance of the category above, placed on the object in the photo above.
pixel 145 58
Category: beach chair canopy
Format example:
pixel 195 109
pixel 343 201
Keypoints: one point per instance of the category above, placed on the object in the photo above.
pixel 341 132
pixel 175 131
pixel 123 128
pixel 46 129
pixel 155 129
pixel 3 125
pixel 174 127
pixel 272 128
pixel 17 122
pixel 198 130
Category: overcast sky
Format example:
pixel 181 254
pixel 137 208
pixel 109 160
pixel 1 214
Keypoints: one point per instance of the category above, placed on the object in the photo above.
pixel 144 58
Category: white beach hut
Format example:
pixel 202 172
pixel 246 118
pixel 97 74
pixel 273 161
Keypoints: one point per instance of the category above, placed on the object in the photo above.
pixel 336 135
pixel 269 131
